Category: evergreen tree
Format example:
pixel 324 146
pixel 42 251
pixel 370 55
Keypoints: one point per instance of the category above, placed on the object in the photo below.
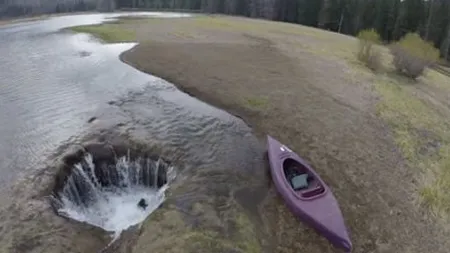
pixel 391 18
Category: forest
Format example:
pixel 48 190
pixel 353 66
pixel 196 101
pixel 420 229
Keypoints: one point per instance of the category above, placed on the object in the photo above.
pixel 392 19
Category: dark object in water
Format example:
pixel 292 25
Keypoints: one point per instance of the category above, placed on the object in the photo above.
pixel 306 194
pixel 142 204
pixel 92 119
pixel 84 53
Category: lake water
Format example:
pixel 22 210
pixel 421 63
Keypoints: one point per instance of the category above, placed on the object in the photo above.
pixel 52 82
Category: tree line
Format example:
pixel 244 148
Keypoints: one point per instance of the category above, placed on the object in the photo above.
pixel 15 8
pixel 392 19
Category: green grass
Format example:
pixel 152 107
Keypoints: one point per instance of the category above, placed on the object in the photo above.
pixel 166 231
pixel 436 192
pixel 437 80
pixel 410 117
pixel 247 239
pixel 257 102
pixel 109 32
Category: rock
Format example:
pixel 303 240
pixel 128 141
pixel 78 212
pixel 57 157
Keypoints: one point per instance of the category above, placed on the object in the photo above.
pixel 142 204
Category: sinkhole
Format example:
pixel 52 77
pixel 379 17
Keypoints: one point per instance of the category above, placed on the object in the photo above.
pixel 110 187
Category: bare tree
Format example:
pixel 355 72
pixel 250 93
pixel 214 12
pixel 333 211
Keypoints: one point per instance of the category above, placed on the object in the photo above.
pixel 446 45
pixel 324 16
pixel 430 16
pixel 341 19
pixel 267 9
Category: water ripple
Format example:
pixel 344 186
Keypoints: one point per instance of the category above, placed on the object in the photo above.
pixel 47 91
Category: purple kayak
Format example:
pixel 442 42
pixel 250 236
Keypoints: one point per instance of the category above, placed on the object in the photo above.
pixel 306 195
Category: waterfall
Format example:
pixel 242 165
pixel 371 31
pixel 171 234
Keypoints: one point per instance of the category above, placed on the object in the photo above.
pixel 106 195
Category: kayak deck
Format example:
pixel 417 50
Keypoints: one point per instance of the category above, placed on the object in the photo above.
pixel 302 180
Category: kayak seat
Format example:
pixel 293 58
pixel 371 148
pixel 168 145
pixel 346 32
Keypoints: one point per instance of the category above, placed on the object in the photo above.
pixel 299 182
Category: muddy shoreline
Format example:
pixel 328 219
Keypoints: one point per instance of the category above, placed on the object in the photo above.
pixel 240 113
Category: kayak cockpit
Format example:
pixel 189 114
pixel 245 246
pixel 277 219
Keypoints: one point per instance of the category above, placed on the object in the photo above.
pixel 301 179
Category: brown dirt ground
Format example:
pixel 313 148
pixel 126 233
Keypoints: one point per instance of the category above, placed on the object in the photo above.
pixel 289 82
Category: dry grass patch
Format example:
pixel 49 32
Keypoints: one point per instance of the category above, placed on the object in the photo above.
pixel 313 40
pixel 437 80
pixel 421 132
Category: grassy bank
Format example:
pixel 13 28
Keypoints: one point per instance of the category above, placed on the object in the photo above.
pixel 419 117
pixel 156 236
pixel 379 140
pixel 110 33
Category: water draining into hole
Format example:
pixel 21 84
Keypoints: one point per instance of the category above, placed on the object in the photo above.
pixel 107 195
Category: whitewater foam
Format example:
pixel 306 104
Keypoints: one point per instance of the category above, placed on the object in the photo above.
pixel 113 207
